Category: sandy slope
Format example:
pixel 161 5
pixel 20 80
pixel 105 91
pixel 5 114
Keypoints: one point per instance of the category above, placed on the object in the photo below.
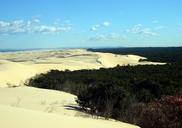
pixel 17 67
pixel 27 107
pixel 14 73
pixel 22 118
pixel 44 100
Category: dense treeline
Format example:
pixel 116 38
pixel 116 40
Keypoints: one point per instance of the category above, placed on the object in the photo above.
pixel 159 54
pixel 166 79
pixel 124 93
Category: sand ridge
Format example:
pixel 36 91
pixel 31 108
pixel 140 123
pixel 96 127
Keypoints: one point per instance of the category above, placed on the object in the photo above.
pixel 17 67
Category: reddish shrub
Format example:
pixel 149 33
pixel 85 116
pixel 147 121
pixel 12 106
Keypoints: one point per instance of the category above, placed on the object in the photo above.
pixel 164 113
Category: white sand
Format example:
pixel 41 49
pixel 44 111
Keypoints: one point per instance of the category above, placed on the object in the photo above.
pixel 17 67
pixel 44 100
pixel 22 118
pixel 27 107
pixel 14 73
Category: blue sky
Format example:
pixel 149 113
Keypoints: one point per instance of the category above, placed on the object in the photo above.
pixel 90 23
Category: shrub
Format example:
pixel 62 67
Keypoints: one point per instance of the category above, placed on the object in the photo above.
pixel 103 99
pixel 164 113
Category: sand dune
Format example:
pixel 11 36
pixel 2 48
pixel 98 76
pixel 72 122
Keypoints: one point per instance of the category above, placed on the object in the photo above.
pixel 30 107
pixel 44 100
pixel 112 60
pixel 17 67
pixel 14 73
pixel 22 118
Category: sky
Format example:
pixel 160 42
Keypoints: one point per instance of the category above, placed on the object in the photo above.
pixel 90 23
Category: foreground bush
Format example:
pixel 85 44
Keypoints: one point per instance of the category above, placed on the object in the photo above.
pixel 103 99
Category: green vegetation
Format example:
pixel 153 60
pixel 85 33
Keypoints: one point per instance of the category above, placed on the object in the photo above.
pixel 146 95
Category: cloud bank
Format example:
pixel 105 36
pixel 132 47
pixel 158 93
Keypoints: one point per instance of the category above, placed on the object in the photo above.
pixel 31 26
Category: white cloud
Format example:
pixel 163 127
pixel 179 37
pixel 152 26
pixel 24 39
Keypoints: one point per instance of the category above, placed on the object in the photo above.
pixel 148 32
pixel 97 26
pixel 36 20
pixel 30 26
pixel 141 31
pixel 109 37
pixel 106 23
pixel 93 29
pixel 46 29
pixel 3 24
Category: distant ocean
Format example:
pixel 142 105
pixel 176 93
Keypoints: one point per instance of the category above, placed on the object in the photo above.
pixel 39 49
pixel 31 49
pixel 36 49
pixel 18 50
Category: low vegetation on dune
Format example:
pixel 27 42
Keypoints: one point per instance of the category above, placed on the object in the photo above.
pixel 147 95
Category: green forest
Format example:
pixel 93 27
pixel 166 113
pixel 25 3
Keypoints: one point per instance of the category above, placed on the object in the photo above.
pixel 146 95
